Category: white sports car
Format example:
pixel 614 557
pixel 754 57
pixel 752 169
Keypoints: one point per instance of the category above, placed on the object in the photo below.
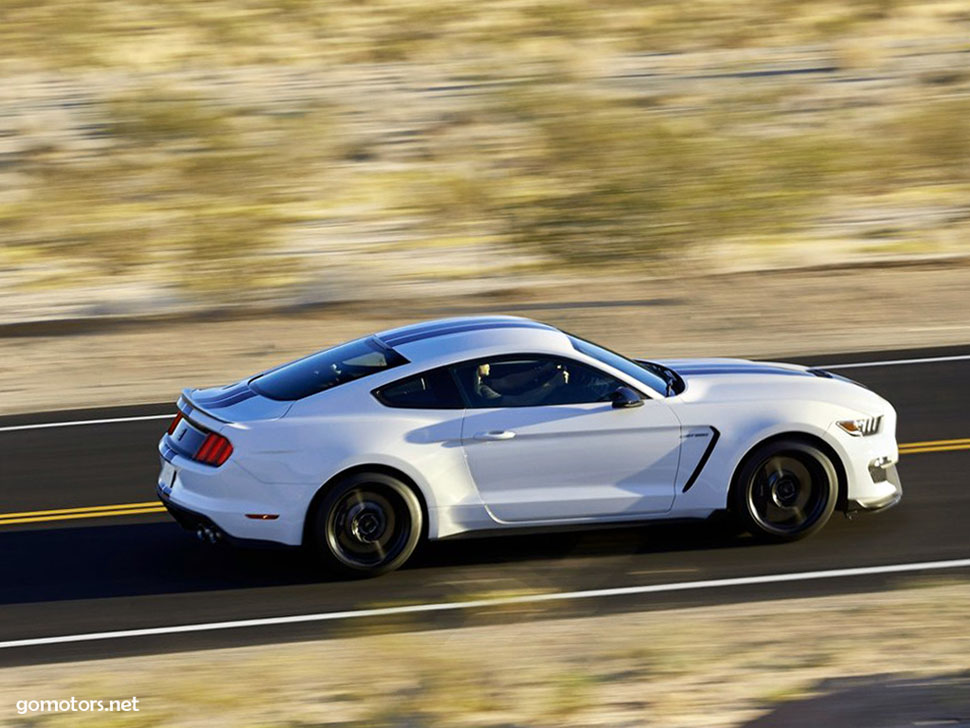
pixel 497 423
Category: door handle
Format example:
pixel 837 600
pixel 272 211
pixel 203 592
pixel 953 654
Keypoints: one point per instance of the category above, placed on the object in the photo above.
pixel 495 435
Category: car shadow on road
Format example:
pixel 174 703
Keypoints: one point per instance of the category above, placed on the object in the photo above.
pixel 874 701
pixel 159 558
pixel 626 540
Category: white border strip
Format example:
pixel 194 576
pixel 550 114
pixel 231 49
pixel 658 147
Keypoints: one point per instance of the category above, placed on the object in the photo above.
pixel 75 423
pixel 485 603
pixel 895 362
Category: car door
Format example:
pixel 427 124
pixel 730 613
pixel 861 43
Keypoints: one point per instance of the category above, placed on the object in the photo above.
pixel 543 441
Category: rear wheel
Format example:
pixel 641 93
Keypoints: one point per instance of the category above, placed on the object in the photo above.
pixel 367 524
pixel 785 491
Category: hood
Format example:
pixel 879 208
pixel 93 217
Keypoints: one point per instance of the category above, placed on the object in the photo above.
pixel 724 367
pixel 744 380
pixel 235 403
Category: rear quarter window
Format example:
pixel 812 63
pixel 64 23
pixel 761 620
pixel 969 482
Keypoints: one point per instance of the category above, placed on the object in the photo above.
pixel 435 389
pixel 327 369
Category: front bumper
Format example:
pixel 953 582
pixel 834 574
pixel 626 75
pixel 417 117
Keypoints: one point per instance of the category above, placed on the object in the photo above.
pixel 872 481
pixel 882 502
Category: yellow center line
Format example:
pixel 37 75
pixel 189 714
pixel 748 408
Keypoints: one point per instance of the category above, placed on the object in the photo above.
pixel 934 443
pixel 82 509
pixel 946 448
pixel 68 516
pixel 130 509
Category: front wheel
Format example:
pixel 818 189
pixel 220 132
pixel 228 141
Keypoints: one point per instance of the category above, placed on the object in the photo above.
pixel 785 491
pixel 367 524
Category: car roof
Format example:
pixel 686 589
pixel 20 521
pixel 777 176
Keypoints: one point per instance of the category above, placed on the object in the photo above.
pixel 455 338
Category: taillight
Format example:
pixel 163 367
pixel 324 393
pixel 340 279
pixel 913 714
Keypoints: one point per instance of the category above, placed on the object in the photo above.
pixel 175 423
pixel 215 450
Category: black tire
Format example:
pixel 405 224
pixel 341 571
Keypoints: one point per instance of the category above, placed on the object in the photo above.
pixel 785 490
pixel 367 524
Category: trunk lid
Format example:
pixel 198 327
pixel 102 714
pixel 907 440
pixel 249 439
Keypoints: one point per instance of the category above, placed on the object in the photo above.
pixel 233 403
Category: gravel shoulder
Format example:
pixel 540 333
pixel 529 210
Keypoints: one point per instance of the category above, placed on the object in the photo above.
pixel 776 314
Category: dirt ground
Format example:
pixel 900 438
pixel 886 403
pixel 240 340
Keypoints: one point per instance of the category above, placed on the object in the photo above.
pixel 896 658
pixel 779 314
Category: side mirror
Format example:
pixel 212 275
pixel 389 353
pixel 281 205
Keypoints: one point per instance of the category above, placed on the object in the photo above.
pixel 624 398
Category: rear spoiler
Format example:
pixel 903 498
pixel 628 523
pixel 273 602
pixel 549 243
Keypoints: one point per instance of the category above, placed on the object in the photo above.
pixel 188 408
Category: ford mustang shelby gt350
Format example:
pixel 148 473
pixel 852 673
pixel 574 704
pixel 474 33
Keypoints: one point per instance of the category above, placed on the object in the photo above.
pixel 497 423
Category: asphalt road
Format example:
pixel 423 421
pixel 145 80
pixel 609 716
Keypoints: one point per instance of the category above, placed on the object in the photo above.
pixel 95 574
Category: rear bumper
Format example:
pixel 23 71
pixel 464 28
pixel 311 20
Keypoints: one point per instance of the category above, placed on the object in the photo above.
pixel 207 530
pixel 225 495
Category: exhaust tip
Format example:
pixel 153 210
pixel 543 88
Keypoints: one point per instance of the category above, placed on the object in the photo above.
pixel 208 534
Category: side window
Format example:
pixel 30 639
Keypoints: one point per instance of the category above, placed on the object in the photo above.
pixel 532 381
pixel 434 389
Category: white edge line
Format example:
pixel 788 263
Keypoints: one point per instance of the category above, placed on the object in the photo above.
pixel 480 603
pixel 75 423
pixel 894 362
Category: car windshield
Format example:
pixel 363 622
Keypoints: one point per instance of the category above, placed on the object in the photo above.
pixel 648 376
pixel 326 369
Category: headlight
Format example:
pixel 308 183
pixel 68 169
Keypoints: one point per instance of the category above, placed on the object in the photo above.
pixel 861 428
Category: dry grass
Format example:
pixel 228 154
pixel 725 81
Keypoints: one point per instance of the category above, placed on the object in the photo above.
pixel 238 151
pixel 179 184
pixel 109 33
